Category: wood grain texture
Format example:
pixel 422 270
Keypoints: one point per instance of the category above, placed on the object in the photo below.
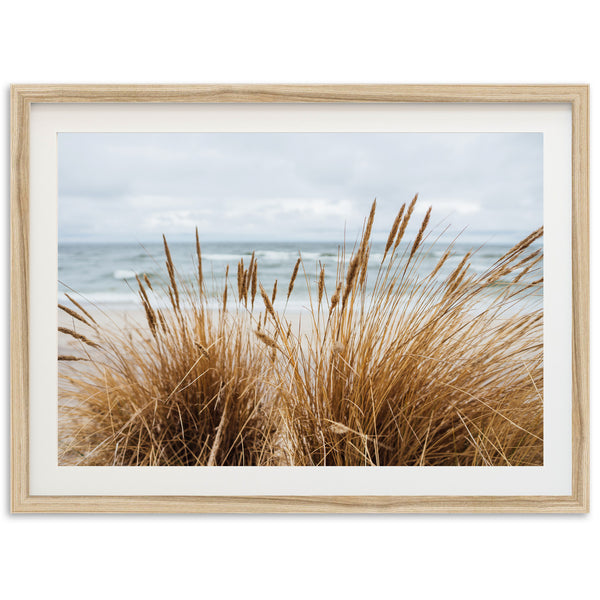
pixel 298 93
pixel 301 504
pixel 580 237
pixel 19 298
pixel 22 96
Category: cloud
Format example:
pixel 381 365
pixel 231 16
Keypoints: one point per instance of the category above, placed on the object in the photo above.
pixel 460 207
pixel 135 186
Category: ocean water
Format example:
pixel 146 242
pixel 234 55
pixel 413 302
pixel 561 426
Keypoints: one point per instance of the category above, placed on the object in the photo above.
pixel 103 274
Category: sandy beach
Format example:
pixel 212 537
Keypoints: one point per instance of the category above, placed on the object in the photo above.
pixel 133 320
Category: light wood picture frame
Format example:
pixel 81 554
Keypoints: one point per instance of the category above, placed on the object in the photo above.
pixel 23 97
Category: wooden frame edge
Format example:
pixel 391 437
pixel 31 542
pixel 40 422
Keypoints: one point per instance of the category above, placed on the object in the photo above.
pixel 282 93
pixel 301 504
pixel 19 293
pixel 580 251
pixel 23 95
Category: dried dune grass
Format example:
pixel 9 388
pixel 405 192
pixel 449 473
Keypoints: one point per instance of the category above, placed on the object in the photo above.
pixel 192 394
pixel 419 371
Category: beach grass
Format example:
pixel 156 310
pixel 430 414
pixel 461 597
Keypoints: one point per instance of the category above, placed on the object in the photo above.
pixel 413 369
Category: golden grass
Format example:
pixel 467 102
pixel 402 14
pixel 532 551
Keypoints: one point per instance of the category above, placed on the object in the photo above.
pixel 190 394
pixel 421 370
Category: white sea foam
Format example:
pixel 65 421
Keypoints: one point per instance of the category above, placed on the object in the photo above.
pixel 272 256
pixel 222 257
pixel 118 298
pixel 276 255
pixel 105 275
pixel 131 301
pixel 124 274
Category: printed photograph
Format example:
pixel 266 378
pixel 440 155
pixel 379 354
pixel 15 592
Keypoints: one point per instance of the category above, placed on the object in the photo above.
pixel 300 299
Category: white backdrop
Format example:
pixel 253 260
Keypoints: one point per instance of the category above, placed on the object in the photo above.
pixel 297 556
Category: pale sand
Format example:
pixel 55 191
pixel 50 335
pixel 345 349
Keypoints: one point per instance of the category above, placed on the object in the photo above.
pixel 134 321
pixel 119 320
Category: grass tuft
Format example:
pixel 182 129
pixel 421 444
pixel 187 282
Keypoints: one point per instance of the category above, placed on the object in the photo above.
pixel 408 369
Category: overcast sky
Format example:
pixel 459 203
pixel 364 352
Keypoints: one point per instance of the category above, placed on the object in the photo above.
pixel 291 186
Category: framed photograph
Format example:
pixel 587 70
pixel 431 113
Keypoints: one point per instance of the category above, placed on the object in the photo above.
pixel 299 298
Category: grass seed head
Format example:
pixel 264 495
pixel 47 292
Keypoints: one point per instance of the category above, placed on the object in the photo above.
pixel 321 285
pixel 293 278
